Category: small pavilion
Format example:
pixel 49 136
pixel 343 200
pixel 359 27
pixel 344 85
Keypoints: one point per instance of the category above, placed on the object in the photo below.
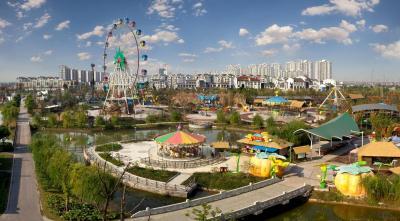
pixel 336 129
pixel 385 152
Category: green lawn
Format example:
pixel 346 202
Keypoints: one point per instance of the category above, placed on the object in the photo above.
pixel 107 156
pixel 6 160
pixel 223 181
pixel 150 173
pixel 109 147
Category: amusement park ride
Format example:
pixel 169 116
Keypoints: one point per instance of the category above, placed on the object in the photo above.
pixel 126 84
pixel 337 99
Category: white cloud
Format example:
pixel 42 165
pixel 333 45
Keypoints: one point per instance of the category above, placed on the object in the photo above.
pixel 63 25
pixel 291 48
pixel 97 31
pixel 83 56
pixel 88 44
pixel 31 4
pixel 181 41
pixel 168 27
pixel 226 44
pixel 243 32
pixel 2 40
pixel 42 21
pixel 163 36
pixel 222 45
pixel 48 52
pixel 46 36
pixel 274 34
pixel 348 26
pixel 361 24
pixel 188 60
pixel 388 51
pixel 340 34
pixel 347 7
pixel 20 14
pixel 4 23
pixel 164 8
pixel 379 28
pixel 187 55
pixel 198 9
pixel 268 53
pixel 36 59
pixel 27 26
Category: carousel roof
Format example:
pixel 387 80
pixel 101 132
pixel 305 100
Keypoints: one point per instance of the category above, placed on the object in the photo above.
pixel 180 138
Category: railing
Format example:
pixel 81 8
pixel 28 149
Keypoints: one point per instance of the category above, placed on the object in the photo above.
pixel 181 164
pixel 204 200
pixel 136 181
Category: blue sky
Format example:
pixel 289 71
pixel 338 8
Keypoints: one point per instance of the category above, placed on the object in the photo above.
pixel 360 37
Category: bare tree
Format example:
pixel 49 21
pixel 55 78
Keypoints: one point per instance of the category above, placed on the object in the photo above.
pixel 109 188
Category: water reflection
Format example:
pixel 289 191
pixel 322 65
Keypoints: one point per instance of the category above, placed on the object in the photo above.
pixel 325 212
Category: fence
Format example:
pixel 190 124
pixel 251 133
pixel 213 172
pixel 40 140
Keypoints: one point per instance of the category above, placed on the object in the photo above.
pixel 208 199
pixel 138 182
pixel 181 164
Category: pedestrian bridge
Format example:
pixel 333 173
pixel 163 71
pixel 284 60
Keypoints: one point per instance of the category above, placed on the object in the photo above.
pixel 234 204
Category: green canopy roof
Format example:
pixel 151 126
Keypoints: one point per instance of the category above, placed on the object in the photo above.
pixel 341 126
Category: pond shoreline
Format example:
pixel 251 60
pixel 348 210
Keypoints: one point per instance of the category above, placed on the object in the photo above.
pixel 361 204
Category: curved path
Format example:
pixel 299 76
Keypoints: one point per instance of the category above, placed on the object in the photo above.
pixel 23 200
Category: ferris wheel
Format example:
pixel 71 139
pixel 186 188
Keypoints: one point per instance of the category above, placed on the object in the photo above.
pixel 122 84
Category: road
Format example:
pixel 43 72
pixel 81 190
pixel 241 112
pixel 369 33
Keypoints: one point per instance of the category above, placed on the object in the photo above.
pixel 23 202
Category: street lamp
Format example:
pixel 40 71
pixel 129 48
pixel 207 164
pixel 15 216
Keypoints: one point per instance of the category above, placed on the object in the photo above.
pixel 92 80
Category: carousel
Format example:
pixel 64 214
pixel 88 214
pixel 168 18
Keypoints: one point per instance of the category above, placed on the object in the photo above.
pixel 180 144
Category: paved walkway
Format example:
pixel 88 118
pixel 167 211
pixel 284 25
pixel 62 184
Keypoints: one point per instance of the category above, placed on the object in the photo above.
pixel 178 180
pixel 236 202
pixel 23 202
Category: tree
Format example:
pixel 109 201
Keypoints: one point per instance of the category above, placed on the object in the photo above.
pixel 81 119
pixel 234 119
pixel 176 116
pixel 30 103
pixel 221 117
pixel 52 120
pixel 379 123
pixel 68 119
pixel 99 121
pixel 59 172
pixel 270 124
pixel 203 213
pixel 287 132
pixel 10 113
pixel 109 185
pixel 258 121
pixel 4 132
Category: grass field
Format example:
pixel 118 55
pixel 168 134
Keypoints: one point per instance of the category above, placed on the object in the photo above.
pixel 150 173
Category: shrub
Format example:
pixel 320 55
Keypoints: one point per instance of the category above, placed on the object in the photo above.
pixel 107 156
pixel 258 122
pixel 223 181
pixel 175 116
pixel 150 173
pixel 234 119
pixel 6 147
pixel 109 147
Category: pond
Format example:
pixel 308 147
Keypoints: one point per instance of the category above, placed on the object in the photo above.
pixel 299 210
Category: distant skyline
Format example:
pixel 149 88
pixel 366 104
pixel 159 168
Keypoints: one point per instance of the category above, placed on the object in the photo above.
pixel 360 37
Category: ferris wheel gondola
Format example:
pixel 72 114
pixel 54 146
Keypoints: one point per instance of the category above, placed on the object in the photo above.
pixel 122 81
